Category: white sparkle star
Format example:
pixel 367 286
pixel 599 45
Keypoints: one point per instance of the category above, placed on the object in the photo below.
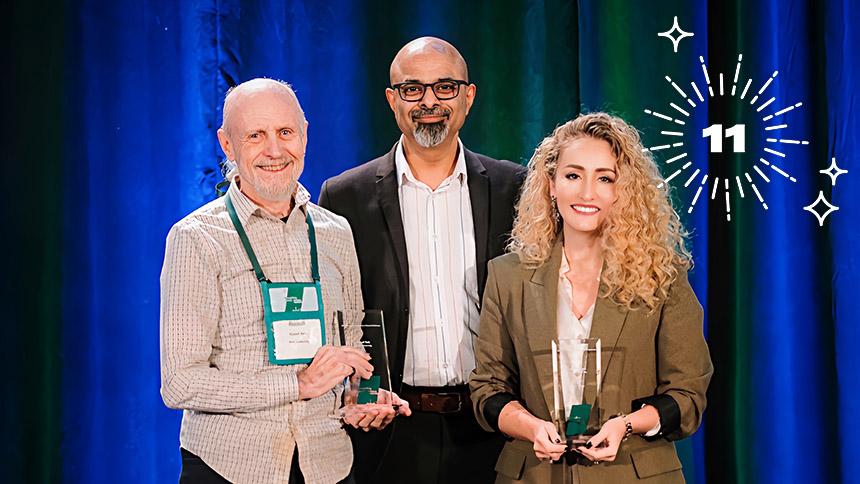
pixel 677 39
pixel 833 171
pixel 811 208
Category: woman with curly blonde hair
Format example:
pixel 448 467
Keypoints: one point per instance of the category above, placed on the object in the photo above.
pixel 596 251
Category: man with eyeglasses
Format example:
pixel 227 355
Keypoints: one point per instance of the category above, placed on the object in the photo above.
pixel 426 217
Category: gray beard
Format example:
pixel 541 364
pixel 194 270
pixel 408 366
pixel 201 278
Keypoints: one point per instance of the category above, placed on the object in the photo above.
pixel 278 193
pixel 430 134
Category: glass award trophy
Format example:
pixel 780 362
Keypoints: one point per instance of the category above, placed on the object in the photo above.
pixel 576 365
pixel 374 342
pixel 360 394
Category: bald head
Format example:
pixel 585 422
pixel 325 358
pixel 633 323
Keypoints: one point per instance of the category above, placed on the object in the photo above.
pixel 264 138
pixel 238 96
pixel 427 47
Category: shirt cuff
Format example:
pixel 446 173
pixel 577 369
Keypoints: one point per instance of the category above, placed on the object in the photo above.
pixel 284 387
pixel 493 408
pixel 652 432
pixel 668 411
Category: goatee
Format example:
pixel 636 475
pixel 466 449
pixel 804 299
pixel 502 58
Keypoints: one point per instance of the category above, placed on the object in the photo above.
pixel 429 135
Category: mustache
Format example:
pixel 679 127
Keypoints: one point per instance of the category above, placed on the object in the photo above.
pixel 434 111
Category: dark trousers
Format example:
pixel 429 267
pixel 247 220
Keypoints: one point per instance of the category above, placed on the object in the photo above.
pixel 432 448
pixel 195 471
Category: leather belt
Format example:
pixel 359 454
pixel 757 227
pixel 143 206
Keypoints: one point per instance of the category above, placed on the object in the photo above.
pixel 453 400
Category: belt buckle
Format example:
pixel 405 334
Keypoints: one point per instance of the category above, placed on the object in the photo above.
pixel 459 402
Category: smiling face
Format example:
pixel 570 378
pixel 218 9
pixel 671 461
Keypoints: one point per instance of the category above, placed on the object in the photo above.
pixel 429 121
pixel 265 134
pixel 584 184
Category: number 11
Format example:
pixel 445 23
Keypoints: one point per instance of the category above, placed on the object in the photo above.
pixel 736 132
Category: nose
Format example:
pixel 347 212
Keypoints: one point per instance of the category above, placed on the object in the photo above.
pixel 587 190
pixel 429 98
pixel 273 147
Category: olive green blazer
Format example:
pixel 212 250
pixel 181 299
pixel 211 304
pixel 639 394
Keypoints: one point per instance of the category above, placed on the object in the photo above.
pixel 644 354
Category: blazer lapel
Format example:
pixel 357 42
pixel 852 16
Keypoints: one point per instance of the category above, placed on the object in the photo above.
pixel 479 197
pixel 541 324
pixel 389 201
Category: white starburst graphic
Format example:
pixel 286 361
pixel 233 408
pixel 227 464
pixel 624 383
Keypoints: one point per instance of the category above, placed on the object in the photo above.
pixel 774 121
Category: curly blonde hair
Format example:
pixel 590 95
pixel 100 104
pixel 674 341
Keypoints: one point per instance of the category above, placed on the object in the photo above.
pixel 642 236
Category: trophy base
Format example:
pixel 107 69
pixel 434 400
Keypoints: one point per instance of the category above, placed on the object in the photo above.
pixel 368 390
pixel 577 440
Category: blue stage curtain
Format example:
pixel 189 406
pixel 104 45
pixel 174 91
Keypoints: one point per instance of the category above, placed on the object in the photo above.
pixel 841 84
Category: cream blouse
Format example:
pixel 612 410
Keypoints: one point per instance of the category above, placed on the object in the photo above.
pixel 572 328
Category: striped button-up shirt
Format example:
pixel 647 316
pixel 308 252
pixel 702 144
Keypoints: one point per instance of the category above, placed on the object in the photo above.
pixel 443 277
pixel 242 415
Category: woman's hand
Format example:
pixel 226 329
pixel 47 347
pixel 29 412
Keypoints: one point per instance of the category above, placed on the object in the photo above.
pixel 519 423
pixel 603 447
pixel 547 443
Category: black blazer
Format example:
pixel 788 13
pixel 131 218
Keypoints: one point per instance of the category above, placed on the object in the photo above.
pixel 367 196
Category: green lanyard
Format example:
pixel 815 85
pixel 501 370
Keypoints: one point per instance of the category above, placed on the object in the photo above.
pixel 315 273
pixel 292 311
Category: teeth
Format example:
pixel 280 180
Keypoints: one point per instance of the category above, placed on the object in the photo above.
pixel 579 208
pixel 273 167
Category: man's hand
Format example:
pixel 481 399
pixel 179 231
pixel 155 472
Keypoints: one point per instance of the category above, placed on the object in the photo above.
pixel 331 364
pixel 377 415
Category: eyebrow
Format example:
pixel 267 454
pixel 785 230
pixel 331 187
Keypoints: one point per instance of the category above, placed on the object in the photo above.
pixel 438 80
pixel 263 130
pixel 570 165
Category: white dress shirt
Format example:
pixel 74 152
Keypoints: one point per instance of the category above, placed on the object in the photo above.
pixel 443 277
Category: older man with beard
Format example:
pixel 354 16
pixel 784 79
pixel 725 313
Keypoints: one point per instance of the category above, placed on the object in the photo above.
pixel 426 218
pixel 248 289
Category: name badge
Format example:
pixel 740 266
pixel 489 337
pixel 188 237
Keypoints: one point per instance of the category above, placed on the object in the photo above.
pixel 295 321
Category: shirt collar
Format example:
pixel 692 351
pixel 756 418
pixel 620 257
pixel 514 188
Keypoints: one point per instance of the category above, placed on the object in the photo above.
pixel 404 171
pixel 565 286
pixel 245 207
pixel 564 268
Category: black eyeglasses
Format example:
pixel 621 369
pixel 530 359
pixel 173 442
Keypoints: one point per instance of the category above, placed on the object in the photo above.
pixel 414 91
